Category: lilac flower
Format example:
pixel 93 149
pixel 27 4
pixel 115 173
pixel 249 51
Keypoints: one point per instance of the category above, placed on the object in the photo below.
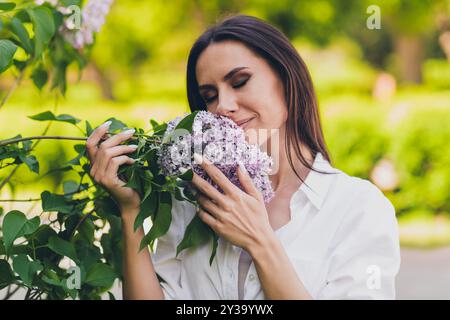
pixel 55 3
pixel 220 141
pixel 93 18
pixel 41 2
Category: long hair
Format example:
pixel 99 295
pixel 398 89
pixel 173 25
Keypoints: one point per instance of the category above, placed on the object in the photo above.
pixel 303 121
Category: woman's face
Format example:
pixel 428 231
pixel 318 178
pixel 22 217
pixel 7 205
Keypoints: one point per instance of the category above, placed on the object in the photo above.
pixel 237 83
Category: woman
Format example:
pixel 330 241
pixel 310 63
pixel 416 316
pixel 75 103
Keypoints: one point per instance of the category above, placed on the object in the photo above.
pixel 325 235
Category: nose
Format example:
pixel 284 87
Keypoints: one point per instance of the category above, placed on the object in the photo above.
pixel 226 105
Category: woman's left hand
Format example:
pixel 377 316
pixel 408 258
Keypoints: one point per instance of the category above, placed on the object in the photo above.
pixel 240 217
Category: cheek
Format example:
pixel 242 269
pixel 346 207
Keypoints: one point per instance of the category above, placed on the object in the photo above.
pixel 271 103
pixel 273 113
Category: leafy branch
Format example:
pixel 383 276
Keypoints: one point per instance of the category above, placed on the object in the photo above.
pixel 16 140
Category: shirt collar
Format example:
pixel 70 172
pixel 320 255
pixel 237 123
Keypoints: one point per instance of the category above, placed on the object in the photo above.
pixel 316 184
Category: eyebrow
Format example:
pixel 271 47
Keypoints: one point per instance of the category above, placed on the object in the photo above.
pixel 225 78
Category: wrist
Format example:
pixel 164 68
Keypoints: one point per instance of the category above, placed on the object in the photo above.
pixel 129 214
pixel 266 244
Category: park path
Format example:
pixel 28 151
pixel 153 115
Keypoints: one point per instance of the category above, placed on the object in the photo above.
pixel 424 274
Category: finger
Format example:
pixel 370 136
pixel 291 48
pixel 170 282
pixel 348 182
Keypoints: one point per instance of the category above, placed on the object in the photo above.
pixel 94 139
pixel 206 188
pixel 118 138
pixel 247 182
pixel 111 177
pixel 110 142
pixel 216 175
pixel 106 155
pixel 210 206
pixel 208 219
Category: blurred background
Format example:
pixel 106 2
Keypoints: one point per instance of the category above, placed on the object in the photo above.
pixel 384 96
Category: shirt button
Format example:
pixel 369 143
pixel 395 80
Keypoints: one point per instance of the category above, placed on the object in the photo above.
pixel 231 275
pixel 251 277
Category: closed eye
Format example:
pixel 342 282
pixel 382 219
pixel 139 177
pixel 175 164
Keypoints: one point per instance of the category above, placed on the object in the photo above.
pixel 209 100
pixel 241 83
pixel 237 85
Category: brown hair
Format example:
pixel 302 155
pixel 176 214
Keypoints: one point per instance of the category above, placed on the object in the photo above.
pixel 303 122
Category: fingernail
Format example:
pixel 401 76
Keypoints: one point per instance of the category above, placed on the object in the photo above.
pixel 126 132
pixel 106 124
pixel 133 146
pixel 198 158
pixel 242 168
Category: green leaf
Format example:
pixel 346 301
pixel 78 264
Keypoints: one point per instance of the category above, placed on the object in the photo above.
pixel 161 222
pixel 89 129
pixel 6 274
pixel 39 77
pixel 7 6
pixel 147 209
pixel 106 207
pixel 22 33
pixel 31 162
pixel 51 277
pixel 59 77
pixel 112 244
pixel 148 177
pixel 15 225
pixel 25 268
pixel 154 123
pixel 100 275
pixel 55 202
pixel 44 27
pixel 134 180
pixel 16 249
pixel 20 65
pixel 179 194
pixel 49 116
pixel 186 122
pixel 160 130
pixel 81 150
pixel 40 238
pixel 63 247
pixel 215 243
pixel 197 233
pixel 116 125
pixel 87 253
pixel 187 176
pixel 87 230
pixel 70 186
pixel 7 51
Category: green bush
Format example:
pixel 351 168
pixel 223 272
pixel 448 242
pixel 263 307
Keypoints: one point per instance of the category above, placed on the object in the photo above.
pixel 417 146
pixel 419 149
pixel 356 142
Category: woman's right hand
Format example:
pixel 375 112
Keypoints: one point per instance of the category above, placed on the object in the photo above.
pixel 106 157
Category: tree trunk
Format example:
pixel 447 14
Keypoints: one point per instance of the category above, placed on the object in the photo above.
pixel 409 50
pixel 102 80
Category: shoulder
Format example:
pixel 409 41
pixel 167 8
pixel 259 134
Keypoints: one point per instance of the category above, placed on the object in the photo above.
pixel 364 207
pixel 359 193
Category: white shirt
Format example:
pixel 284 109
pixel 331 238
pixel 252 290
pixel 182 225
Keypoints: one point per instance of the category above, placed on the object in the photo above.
pixel 342 240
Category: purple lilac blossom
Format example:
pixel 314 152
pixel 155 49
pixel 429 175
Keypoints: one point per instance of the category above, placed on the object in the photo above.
pixel 220 141
pixel 93 17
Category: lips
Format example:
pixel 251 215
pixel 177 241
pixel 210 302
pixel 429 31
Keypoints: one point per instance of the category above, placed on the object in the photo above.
pixel 242 123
